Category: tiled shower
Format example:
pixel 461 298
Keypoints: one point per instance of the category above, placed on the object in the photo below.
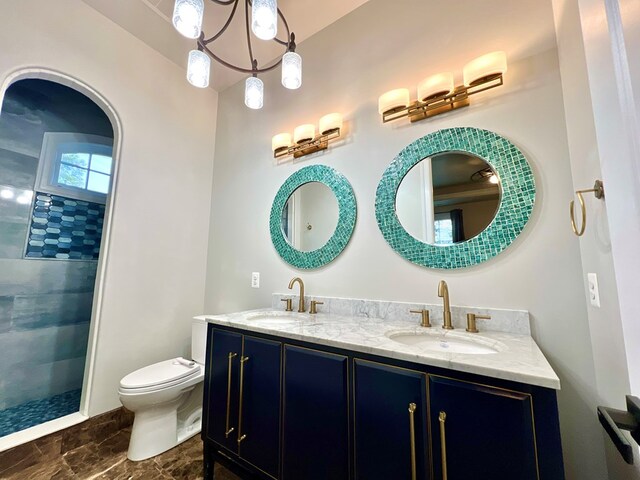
pixel 49 248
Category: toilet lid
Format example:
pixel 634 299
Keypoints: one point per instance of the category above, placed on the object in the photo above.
pixel 168 371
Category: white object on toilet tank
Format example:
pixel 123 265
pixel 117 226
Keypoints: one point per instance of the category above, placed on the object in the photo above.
pixel 198 340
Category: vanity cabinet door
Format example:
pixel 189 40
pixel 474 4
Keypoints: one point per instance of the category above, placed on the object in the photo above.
pixel 316 415
pixel 388 400
pixel 260 403
pixel 221 396
pixel 481 432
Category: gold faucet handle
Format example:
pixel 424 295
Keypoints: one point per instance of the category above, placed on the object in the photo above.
pixel 425 317
pixel 314 304
pixel 289 303
pixel 471 321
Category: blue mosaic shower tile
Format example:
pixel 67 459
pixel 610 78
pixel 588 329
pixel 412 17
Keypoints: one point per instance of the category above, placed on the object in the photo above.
pixel 64 229
pixel 36 412
pixel 516 204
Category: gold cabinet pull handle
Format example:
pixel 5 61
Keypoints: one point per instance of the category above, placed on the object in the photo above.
pixel 412 433
pixel 442 418
pixel 241 437
pixel 230 358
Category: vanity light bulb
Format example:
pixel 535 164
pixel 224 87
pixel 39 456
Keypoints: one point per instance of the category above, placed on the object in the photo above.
pixel 264 19
pixel 394 100
pixel 6 194
pixel 484 67
pixel 281 142
pixel 435 86
pixel 330 123
pixel 199 69
pixel 304 133
pixel 254 93
pixel 494 179
pixel 291 70
pixel 187 17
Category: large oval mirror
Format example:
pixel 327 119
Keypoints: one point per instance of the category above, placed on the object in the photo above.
pixel 313 216
pixel 310 216
pixel 455 198
pixel 448 198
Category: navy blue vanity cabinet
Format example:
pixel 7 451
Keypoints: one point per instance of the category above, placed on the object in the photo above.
pixel 221 391
pixel 390 416
pixel 481 432
pixel 315 415
pixel 241 410
pixel 260 403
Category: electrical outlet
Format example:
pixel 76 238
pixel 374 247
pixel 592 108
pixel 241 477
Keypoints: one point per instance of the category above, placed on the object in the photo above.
pixel 594 293
pixel 255 280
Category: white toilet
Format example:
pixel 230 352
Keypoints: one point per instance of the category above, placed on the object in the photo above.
pixel 166 398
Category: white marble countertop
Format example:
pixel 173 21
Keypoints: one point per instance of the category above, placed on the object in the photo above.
pixel 518 358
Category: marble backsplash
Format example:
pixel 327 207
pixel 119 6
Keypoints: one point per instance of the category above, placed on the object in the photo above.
pixel 502 320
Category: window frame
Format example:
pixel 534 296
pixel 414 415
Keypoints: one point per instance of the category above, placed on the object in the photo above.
pixel 50 160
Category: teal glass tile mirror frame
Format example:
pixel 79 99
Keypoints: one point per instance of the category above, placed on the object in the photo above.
pixel 347 214
pixel 516 204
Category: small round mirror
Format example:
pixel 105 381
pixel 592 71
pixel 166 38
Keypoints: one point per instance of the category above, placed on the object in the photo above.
pixel 310 216
pixel 448 198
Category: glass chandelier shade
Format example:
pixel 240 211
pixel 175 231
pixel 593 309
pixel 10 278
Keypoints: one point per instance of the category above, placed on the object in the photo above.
pixel 199 69
pixel 254 93
pixel 264 19
pixel 291 70
pixel 187 17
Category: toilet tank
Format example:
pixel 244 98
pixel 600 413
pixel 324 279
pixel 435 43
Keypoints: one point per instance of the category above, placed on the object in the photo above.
pixel 199 340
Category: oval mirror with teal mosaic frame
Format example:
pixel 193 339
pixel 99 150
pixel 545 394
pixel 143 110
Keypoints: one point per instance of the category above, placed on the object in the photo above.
pixel 282 214
pixel 517 198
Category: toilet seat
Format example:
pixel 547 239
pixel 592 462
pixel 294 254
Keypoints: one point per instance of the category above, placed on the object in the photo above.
pixel 159 376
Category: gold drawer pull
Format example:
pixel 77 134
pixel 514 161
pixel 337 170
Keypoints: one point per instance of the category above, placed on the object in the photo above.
pixel 241 437
pixel 229 359
pixel 412 433
pixel 443 443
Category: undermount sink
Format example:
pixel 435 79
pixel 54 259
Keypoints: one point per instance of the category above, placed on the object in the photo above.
pixel 446 343
pixel 277 317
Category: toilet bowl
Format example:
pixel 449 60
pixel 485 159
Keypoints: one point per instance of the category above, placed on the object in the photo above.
pixel 166 399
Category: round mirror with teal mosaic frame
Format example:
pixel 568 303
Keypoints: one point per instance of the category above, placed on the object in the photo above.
pixel 517 198
pixel 280 217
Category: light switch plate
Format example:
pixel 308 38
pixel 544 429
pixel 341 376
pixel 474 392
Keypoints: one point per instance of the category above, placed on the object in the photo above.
pixel 594 293
pixel 255 280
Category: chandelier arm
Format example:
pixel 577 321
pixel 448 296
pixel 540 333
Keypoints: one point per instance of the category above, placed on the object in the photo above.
pixel 246 24
pixel 234 67
pixel 226 25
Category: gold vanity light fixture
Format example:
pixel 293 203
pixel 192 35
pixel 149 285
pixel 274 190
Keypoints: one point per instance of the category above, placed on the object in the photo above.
pixel 305 140
pixel 438 94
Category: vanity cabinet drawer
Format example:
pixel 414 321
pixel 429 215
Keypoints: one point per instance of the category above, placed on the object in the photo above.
pixel 481 432
pixel 316 415
pixel 390 415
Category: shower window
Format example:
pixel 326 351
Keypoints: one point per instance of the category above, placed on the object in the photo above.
pixel 76 166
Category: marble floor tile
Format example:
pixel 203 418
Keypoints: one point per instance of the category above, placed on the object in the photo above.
pixel 129 470
pixel 183 462
pixel 58 470
pixel 18 458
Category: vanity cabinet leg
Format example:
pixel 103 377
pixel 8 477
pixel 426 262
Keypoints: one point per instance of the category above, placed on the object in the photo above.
pixel 208 462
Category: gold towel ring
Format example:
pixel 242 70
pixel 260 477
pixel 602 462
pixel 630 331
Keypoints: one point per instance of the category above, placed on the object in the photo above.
pixel 598 191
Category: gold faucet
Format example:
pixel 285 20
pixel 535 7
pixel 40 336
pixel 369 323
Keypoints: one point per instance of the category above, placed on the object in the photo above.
pixel 443 292
pixel 301 308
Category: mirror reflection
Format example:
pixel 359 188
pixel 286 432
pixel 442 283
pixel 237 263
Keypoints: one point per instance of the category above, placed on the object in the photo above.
pixel 448 198
pixel 310 216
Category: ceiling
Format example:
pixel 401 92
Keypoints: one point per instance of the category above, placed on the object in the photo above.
pixel 150 21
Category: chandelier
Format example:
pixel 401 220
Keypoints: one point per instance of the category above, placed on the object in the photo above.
pixel 265 14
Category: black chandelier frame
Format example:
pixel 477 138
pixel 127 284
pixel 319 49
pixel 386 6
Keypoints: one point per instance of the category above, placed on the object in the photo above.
pixel 203 42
